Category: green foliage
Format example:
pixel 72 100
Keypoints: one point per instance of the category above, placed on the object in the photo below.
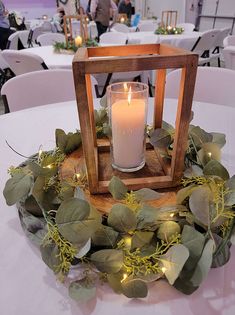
pixel 59 47
pixel 169 30
pixel 18 187
pixel 82 290
pixel 135 243
pixel 108 260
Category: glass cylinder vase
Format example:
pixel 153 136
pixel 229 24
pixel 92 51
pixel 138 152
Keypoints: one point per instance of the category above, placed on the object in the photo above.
pixel 127 104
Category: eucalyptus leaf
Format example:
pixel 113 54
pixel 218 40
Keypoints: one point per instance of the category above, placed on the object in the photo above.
pixel 108 260
pixel 82 291
pixel 174 261
pixel 149 218
pixel 219 139
pixel 140 239
pixel 105 236
pixel 166 126
pixel 66 191
pixel 230 196
pixel 50 256
pixel 185 193
pixel 74 141
pixel 194 170
pixel 208 152
pixel 194 241
pixel 135 288
pixel 61 139
pixel 79 193
pixel 84 250
pixel 117 188
pixel 17 187
pixel 199 136
pixel 75 222
pixel 146 194
pixel 222 256
pixel 68 143
pixel 160 138
pixel 199 203
pixel 47 171
pixel 114 281
pixel 203 265
pixel 167 230
pixel 217 169
pixel 43 198
pixel 121 218
pixel 32 206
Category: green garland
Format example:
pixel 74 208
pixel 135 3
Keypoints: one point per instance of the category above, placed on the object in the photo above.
pixel 169 30
pixel 135 243
pixel 59 47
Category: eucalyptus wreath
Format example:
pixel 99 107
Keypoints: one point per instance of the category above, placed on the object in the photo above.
pixel 135 243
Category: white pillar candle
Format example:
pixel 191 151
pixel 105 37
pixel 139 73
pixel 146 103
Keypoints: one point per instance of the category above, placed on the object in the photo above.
pixel 128 132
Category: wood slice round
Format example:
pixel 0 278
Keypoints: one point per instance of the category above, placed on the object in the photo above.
pixel 75 162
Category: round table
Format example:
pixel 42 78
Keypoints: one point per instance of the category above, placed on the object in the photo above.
pixel 28 287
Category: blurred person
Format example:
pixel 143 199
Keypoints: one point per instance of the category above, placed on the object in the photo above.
pixel 5 30
pixel 125 7
pixel 101 14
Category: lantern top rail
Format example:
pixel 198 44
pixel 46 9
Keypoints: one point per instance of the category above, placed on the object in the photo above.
pixel 89 60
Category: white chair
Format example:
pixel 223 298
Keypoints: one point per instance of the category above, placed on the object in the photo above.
pixel 111 38
pixel 18 40
pixel 218 45
pixel 229 41
pixel 119 27
pixel 48 39
pixel 33 35
pixel 229 57
pixel 204 44
pixel 38 88
pixel 47 26
pixel 188 27
pixel 213 85
pixel 22 62
pixel 148 27
pixel 4 70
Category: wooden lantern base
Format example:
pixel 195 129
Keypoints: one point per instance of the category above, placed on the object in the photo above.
pixel 104 202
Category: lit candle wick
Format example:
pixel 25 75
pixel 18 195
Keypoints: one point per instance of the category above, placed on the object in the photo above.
pixel 129 96
pixel 209 154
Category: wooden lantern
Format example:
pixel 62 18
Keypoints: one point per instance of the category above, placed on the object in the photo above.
pixel 68 28
pixel 156 173
pixel 169 18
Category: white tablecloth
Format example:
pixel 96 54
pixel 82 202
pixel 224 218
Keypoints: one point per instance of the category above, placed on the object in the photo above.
pixel 169 39
pixel 28 287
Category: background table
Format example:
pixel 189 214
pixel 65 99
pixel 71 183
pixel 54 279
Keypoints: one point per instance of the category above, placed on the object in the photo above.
pixel 28 287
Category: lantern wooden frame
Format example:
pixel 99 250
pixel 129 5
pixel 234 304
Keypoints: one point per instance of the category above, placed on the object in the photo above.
pixel 68 29
pixel 170 17
pixel 158 57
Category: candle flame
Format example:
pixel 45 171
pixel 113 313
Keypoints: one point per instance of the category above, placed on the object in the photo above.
pixel 125 87
pixel 77 176
pixel 129 96
pixel 209 154
pixel 171 215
